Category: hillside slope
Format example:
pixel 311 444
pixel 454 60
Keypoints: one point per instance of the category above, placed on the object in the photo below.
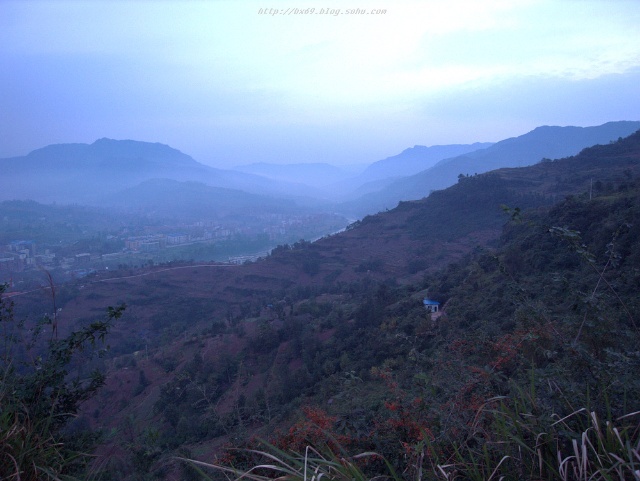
pixel 416 237
pixel 212 354
pixel 406 163
pixel 542 142
pixel 190 200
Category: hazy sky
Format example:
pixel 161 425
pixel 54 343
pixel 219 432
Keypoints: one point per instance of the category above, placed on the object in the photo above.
pixel 228 85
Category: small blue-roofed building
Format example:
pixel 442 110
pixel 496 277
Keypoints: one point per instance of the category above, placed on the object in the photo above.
pixel 431 305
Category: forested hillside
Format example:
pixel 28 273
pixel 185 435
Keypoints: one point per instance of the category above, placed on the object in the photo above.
pixel 328 344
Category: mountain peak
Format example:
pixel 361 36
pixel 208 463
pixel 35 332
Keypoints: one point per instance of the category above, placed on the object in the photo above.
pixel 136 148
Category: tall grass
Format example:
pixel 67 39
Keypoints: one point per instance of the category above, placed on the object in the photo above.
pixel 577 447
pixel 315 464
pixel 28 451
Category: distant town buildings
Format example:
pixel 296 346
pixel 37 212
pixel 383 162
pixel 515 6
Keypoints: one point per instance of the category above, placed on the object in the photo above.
pixel 18 255
pixel 140 243
pixel 176 239
pixel 155 242
pixel 146 243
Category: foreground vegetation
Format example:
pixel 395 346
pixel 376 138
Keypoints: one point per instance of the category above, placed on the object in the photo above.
pixel 39 398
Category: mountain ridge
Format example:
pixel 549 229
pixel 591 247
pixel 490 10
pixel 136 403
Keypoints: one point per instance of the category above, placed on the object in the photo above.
pixel 527 149
pixel 85 172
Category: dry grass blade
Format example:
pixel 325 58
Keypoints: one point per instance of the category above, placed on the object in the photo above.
pixel 239 473
pixel 628 415
pixel 568 416
pixel 442 468
pixel 504 458
pixel 15 465
pixel 273 458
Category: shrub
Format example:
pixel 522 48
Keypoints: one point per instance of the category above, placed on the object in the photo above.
pixel 39 395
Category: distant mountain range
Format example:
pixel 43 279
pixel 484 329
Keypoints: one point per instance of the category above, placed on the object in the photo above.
pixel 313 174
pixel 408 162
pixel 82 173
pixel 113 172
pixel 528 149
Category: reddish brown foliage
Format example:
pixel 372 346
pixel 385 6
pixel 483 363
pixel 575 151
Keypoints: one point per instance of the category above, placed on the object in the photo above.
pixel 314 429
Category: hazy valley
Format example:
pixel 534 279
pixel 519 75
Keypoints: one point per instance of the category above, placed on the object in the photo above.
pixel 77 208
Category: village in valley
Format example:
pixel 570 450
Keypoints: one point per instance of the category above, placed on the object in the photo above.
pixel 22 261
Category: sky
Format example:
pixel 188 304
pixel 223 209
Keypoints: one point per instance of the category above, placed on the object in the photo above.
pixel 236 82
